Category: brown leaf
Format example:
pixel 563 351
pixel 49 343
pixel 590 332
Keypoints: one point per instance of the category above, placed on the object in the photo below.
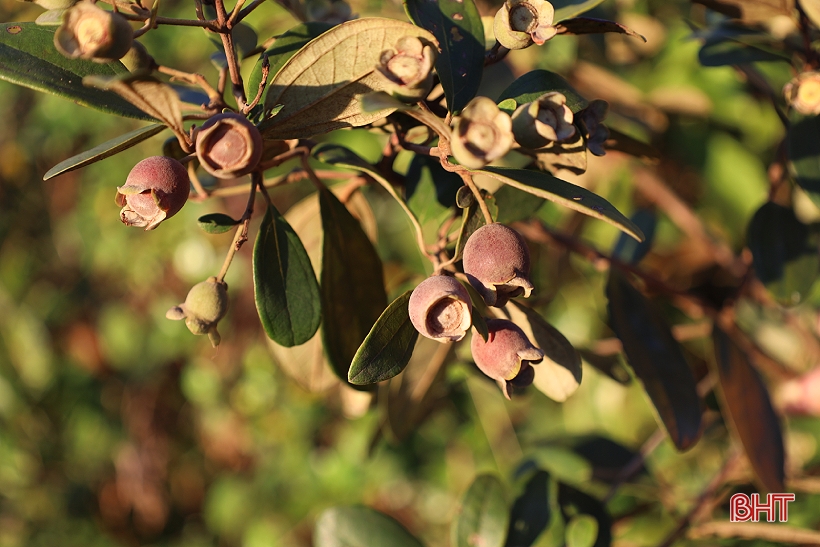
pixel 588 25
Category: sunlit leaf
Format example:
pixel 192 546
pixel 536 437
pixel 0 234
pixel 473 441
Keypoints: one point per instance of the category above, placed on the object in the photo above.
pixel 532 85
pixel 360 527
pixel 530 513
pixel 571 156
pixel 573 502
pixel 482 517
pixel 784 253
pixel 352 284
pixel 216 223
pixel 582 531
pixel 566 194
pixel 104 150
pixel 747 404
pixel 558 375
pixel 657 359
pixel 388 347
pixel 566 9
pixel 457 26
pixel 588 25
pixel 285 287
pixel 28 58
pixel 321 84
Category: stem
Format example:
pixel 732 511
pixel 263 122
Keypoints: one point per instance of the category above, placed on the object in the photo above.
pixel 195 182
pixel 233 70
pixel 468 180
pixel 262 82
pixel 232 20
pixel 195 79
pixel 241 235
pixel 246 11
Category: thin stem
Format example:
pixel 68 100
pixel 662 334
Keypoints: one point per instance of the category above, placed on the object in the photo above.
pixel 468 180
pixel 195 79
pixel 247 10
pixel 262 82
pixel 195 182
pixel 241 235
pixel 233 70
pixel 232 20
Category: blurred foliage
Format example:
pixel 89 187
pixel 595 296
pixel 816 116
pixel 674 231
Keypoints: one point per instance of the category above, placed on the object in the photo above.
pixel 117 427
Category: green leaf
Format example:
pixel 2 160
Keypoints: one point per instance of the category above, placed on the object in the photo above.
pixel 730 52
pixel 482 517
pixel 630 251
pixel 216 223
pixel 514 205
pixel 352 283
pixel 479 323
pixel 28 58
pixel 558 375
pixel 530 513
pixel 573 502
pixel 388 347
pixel 457 26
pixel 321 84
pixel 657 359
pixel 285 287
pixel 566 9
pixel 566 194
pixel 582 531
pixel 784 253
pixel 588 25
pixel 431 190
pixel 104 150
pixel 283 49
pixel 358 526
pixel 533 84
pixel 803 150
pixel 747 404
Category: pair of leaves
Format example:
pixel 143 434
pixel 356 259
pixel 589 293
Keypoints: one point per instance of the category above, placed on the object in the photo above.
pixel 322 83
pixel 358 526
pixel 457 26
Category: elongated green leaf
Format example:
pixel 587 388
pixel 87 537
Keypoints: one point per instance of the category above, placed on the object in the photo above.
pixel 558 375
pixel 457 26
pixel 28 58
pixel 285 287
pixel 530 514
pixel 573 503
pixel 283 49
pixel 216 223
pixel 747 404
pixel 104 150
pixel 657 359
pixel 630 251
pixel 588 25
pixel 360 527
pixel 564 193
pixel 388 347
pixel 320 85
pixel 784 253
pixel 514 205
pixel 533 84
pixel 803 149
pixel 730 52
pixel 352 284
pixel 566 9
pixel 482 517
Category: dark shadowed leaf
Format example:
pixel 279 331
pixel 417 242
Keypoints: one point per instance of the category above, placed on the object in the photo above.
pixel 566 9
pixel 283 49
pixel 483 516
pixel 582 531
pixel 588 25
pixel 558 375
pixel 750 11
pixel 611 365
pixel 352 284
pixel 216 223
pixel 457 26
pixel 573 502
pixel 622 142
pixel 746 402
pixel 803 148
pixel 321 84
pixel 530 514
pixel 566 194
pixel 730 52
pixel 514 205
pixel 571 156
pixel 479 323
pixel 285 287
pixel 104 150
pixel 784 254
pixel 533 84
pixel 360 527
pixel 630 251
pixel 607 457
pixel 28 58
pixel 657 359
pixel 388 347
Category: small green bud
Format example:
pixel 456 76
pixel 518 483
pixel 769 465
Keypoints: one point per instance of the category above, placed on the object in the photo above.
pixel 481 134
pixel 520 23
pixel 90 32
pixel 408 68
pixel 205 305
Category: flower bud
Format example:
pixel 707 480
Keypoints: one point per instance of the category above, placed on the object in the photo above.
pixel 137 59
pixel 803 93
pixel 155 189
pixel 228 146
pixel 596 132
pixel 440 309
pixel 520 23
pixel 408 69
pixel 90 32
pixel 497 264
pixel 205 305
pixel 481 134
pixel 543 121
pixel 506 356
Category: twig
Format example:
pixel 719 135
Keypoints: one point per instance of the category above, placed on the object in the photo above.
pixel 467 177
pixel 235 13
pixel 262 82
pixel 777 533
pixel 196 79
pixel 241 235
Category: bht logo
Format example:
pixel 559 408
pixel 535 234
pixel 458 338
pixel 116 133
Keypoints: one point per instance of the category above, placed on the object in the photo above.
pixel 744 508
